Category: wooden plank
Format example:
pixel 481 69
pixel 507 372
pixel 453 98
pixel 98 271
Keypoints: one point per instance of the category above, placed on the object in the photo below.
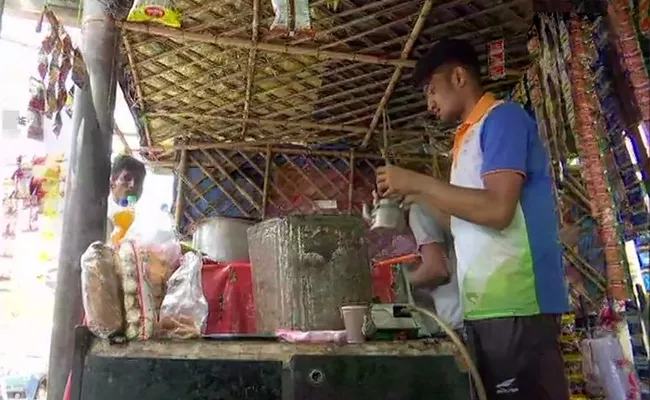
pixel 261 351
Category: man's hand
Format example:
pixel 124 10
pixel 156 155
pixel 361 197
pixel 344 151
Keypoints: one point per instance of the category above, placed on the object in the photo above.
pixel 392 180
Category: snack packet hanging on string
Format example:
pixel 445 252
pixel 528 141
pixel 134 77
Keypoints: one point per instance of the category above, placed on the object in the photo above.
pixel 302 18
pixel 282 13
pixel 158 11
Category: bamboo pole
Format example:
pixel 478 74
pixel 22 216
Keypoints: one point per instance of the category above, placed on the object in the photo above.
pixel 351 182
pixel 250 70
pixel 180 190
pixel 294 151
pixel 270 47
pixel 276 123
pixel 267 172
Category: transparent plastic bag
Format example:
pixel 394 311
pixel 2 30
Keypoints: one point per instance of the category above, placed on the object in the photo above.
pixel 139 302
pixel 152 233
pixel 101 291
pixel 184 310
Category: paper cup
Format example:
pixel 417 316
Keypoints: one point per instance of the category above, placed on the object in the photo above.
pixel 353 318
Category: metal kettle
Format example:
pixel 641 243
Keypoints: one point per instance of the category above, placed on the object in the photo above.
pixel 387 213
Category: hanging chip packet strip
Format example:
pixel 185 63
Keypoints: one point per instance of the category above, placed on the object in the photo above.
pixel 158 11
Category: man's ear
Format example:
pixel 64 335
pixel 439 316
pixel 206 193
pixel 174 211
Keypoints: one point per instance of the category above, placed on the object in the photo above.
pixel 459 76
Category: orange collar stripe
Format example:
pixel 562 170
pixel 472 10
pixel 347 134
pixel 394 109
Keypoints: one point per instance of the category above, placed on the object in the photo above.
pixel 478 112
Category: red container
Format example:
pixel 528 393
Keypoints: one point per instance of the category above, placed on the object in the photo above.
pixel 229 291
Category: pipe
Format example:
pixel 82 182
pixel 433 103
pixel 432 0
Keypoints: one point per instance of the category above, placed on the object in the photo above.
pixel 464 353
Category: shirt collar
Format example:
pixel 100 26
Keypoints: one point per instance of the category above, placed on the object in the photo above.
pixel 480 109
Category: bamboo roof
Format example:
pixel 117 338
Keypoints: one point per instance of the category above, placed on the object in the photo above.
pixel 223 78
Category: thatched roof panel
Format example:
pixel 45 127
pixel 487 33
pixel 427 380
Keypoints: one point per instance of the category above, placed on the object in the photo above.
pixel 226 78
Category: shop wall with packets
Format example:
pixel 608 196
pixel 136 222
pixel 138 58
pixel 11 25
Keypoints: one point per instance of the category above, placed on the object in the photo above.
pixel 579 113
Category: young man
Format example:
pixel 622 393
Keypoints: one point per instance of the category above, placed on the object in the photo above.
pixel 434 279
pixel 127 179
pixel 500 207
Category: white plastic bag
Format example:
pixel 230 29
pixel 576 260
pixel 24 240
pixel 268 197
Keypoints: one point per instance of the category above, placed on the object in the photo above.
pixel 615 374
pixel 184 310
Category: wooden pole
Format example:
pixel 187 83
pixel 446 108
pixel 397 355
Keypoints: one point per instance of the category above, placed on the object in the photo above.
pixel 397 75
pixel 351 182
pixel 84 217
pixel 250 67
pixel 179 206
pixel 281 150
pixel 267 173
pixel 229 41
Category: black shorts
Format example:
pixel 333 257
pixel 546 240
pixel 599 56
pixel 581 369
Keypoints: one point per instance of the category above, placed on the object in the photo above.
pixel 519 357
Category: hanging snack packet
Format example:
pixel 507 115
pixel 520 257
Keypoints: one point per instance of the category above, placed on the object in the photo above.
pixel 282 12
pixel 302 18
pixel 159 11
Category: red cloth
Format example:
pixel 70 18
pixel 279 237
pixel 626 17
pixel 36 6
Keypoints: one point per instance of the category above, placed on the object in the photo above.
pixel 228 289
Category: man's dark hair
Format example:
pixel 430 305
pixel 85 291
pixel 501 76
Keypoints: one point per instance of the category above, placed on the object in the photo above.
pixel 130 164
pixel 446 52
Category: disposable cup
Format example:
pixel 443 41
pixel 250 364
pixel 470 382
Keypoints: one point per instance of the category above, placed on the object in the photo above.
pixel 353 318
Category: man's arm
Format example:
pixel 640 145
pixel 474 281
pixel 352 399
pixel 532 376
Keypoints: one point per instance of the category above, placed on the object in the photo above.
pixel 432 271
pixel 441 217
pixel 493 206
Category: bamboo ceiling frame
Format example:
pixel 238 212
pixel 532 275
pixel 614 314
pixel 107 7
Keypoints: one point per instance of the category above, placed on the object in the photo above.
pixel 305 110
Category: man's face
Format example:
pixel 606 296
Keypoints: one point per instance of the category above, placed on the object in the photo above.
pixel 126 184
pixel 444 94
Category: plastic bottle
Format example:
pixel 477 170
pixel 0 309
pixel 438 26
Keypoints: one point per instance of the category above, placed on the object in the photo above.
pixel 123 219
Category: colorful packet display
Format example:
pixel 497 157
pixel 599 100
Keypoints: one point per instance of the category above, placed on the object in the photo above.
pixel 157 11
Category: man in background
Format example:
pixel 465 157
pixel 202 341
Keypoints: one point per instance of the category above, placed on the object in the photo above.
pixel 434 279
pixel 127 179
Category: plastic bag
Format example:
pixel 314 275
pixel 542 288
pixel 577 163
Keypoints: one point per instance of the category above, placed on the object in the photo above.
pixel 101 291
pixel 153 234
pixel 612 371
pixel 159 11
pixel 139 302
pixel 184 310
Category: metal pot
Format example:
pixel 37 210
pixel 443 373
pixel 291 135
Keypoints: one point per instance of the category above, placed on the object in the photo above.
pixel 222 238
pixel 387 213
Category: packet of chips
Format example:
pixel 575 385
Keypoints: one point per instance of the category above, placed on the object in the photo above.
pixel 158 11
